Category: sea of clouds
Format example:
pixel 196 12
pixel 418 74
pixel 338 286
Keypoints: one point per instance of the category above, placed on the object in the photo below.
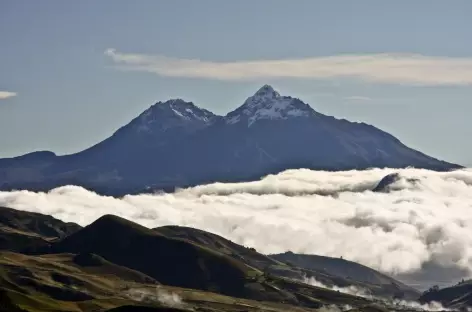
pixel 425 217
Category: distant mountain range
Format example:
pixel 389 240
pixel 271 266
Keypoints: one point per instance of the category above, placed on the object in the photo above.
pixel 177 144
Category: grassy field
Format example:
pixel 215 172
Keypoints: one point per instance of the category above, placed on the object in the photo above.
pixel 56 282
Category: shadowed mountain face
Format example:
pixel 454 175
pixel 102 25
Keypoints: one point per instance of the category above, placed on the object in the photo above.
pixel 170 261
pixel 248 255
pixel 331 272
pixel 350 271
pixel 176 144
pixel 36 223
pixel 457 296
pixel 20 230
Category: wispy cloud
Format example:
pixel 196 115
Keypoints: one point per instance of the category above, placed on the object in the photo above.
pixel 358 98
pixel 6 95
pixel 412 69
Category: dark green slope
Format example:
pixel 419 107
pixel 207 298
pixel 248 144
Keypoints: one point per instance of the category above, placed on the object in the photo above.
pixel 170 261
pixel 329 271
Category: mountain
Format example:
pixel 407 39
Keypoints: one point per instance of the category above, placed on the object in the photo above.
pixel 177 144
pixel 118 258
pixel 116 265
pixel 170 261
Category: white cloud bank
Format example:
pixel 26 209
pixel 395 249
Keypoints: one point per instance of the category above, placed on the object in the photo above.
pixel 425 219
pixel 6 94
pixel 411 69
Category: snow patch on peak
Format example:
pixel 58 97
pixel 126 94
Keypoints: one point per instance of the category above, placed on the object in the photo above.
pixel 267 103
pixel 179 114
pixel 178 107
pixel 171 113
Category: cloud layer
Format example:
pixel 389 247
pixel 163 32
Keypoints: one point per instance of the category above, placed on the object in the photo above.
pixel 412 69
pixel 425 217
pixel 6 95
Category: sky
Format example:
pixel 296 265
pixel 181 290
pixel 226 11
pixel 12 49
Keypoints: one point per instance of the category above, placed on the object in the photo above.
pixel 71 73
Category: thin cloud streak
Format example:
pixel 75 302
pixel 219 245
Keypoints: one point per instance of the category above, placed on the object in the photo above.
pixel 358 98
pixel 409 69
pixel 6 94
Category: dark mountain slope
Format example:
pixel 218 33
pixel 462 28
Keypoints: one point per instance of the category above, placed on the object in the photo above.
pixel 36 223
pixel 169 261
pixel 212 241
pixel 26 168
pixel 22 230
pixel 181 263
pixel 141 140
pixel 127 154
pixel 348 270
pixel 330 271
pixel 457 296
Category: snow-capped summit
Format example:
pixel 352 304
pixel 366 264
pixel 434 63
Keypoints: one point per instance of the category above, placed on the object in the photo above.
pixel 177 108
pixel 170 114
pixel 267 103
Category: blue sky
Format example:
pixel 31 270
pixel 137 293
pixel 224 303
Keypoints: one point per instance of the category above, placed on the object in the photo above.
pixel 403 66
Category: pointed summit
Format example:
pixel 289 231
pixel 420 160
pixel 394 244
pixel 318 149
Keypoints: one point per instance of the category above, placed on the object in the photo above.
pixel 267 91
pixel 267 103
pixel 264 94
pixel 177 108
